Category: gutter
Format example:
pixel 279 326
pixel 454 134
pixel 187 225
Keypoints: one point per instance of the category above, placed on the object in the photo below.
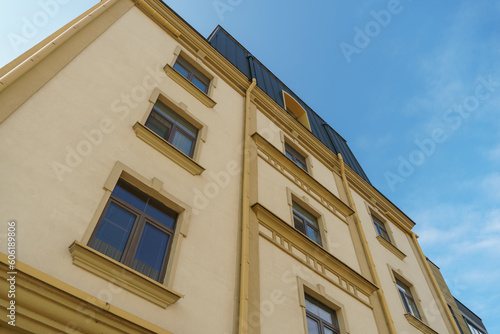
pixel 371 264
pixel 435 283
pixel 245 217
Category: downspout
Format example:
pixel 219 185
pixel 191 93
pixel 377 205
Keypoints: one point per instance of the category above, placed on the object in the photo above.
pixel 435 283
pixel 245 227
pixel 371 264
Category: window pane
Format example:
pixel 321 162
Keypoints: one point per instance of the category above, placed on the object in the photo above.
pixel 311 306
pixel 181 70
pixel 301 164
pixel 113 232
pixel 312 234
pixel 325 315
pixel 167 116
pixel 151 252
pixel 201 85
pixel 403 287
pixel 183 143
pixel 312 326
pixel 303 212
pixel 328 331
pixel 190 129
pixel 160 125
pixel 405 302
pixel 413 308
pixel 131 195
pixel 299 223
pixel 161 213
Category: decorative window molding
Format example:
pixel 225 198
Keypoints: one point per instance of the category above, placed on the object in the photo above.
pixel 294 109
pixel 152 187
pixel 203 97
pixel 318 292
pixel 122 275
pixel 306 222
pixel 297 156
pixel 165 147
pixel 304 202
pixel 386 240
pixel 381 229
pixel 393 249
pixel 410 301
pixel 417 323
pixel 320 318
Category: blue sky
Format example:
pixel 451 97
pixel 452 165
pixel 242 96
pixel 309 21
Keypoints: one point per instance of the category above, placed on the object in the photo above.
pixel 413 86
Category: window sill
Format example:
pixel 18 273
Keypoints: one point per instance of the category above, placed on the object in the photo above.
pixel 121 275
pixel 167 149
pixel 417 323
pixel 189 86
pixel 393 249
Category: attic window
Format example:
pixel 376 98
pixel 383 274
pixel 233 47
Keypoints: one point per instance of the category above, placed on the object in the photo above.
pixel 296 110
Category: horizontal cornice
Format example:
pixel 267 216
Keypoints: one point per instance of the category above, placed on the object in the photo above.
pixel 296 244
pixel 301 178
pixel 47 305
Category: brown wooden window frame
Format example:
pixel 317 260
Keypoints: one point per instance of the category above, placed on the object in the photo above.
pixel 295 156
pixel 322 323
pixel 381 229
pixel 174 127
pixel 193 73
pixel 305 222
pixel 137 230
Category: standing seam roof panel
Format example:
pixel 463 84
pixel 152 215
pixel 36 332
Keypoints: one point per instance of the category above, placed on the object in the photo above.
pixel 226 45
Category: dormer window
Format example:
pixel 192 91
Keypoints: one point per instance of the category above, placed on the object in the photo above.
pixel 294 108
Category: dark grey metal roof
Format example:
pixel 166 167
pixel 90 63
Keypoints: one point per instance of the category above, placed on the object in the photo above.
pixel 233 51
pixel 469 315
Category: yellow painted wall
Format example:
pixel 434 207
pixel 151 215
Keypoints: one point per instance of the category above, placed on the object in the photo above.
pixel 409 269
pixel 279 274
pixel 52 213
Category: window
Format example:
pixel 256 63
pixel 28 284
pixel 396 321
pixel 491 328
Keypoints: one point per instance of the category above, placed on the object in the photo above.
pixel 320 318
pixel 192 74
pixel 407 298
pixel 381 230
pixel 173 128
pixel 473 329
pixel 295 109
pixel 136 230
pixel 295 157
pixel 306 223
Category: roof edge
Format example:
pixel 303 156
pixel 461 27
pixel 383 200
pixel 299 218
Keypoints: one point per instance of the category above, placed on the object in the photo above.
pixel 36 54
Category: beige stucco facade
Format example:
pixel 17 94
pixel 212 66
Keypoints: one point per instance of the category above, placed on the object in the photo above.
pixel 73 123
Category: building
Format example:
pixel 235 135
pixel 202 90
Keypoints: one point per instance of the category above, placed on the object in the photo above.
pixel 156 181
pixel 466 320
